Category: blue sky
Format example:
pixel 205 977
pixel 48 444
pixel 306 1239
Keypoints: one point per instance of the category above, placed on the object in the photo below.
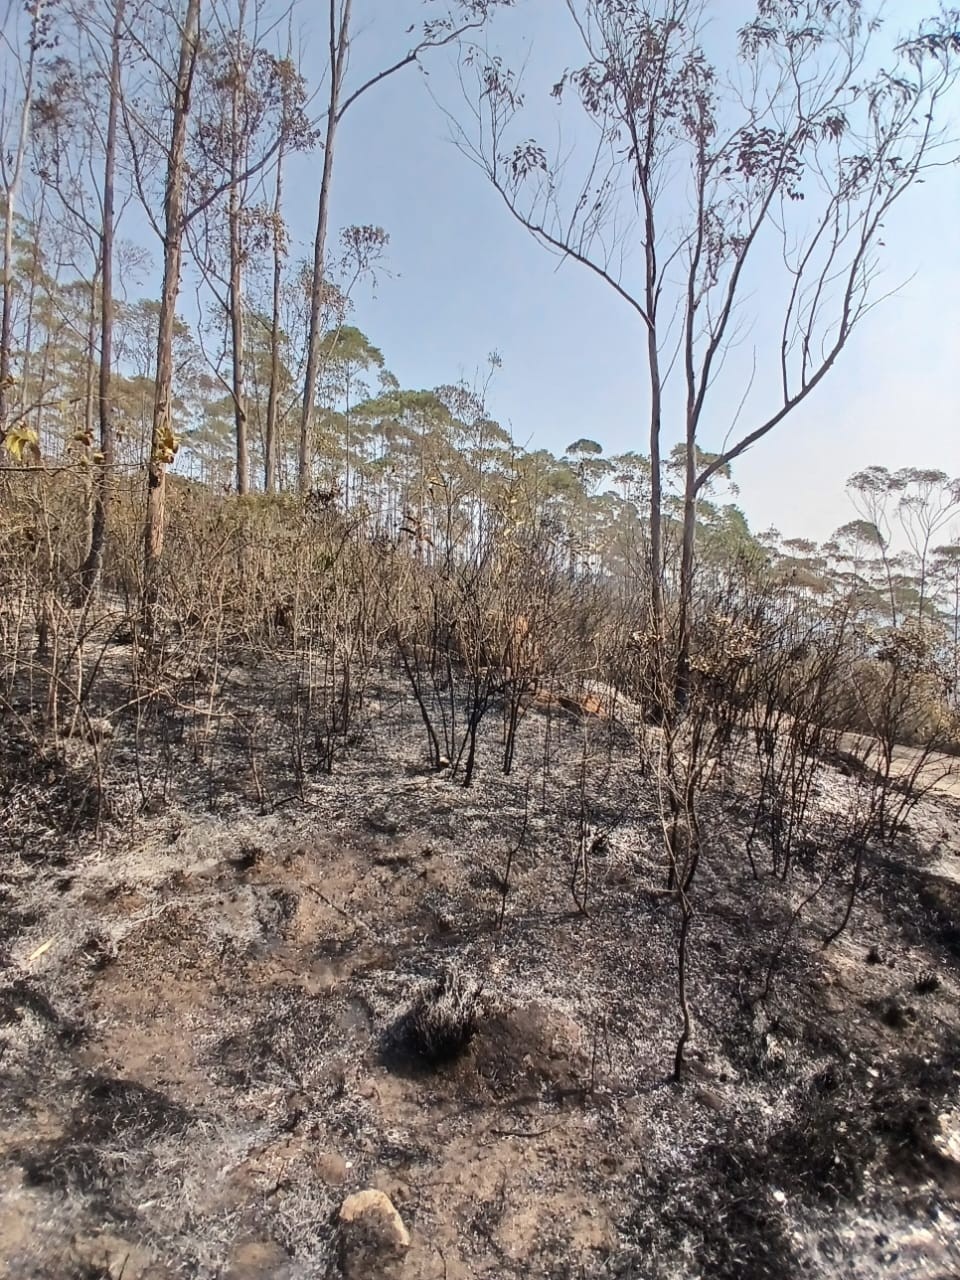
pixel 466 280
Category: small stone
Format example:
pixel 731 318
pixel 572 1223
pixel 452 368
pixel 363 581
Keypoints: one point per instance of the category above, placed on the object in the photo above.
pixel 373 1239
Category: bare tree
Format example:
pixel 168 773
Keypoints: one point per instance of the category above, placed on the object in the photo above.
pixel 278 245
pixel 93 565
pixel 162 442
pixel 251 107
pixel 758 196
pixel 15 117
pixel 150 150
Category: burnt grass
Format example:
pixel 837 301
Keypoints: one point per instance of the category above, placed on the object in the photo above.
pixel 267 988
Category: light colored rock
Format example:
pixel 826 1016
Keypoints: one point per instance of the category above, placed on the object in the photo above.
pixel 947 1139
pixel 373 1239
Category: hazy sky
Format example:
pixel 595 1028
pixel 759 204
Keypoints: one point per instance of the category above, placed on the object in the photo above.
pixel 466 280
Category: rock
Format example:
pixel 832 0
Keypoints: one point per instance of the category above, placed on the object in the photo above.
pixel 947 1138
pixel 373 1239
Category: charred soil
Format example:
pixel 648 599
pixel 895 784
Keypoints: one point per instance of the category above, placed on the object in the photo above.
pixel 226 1004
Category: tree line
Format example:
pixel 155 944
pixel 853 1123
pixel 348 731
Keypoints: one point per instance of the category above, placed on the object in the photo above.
pixel 695 168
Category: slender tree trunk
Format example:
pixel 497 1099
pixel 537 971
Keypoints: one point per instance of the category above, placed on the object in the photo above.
pixel 682 690
pixel 89 401
pixel 23 397
pixel 12 191
pixel 688 547
pixel 237 343
pixel 161 435
pixel 6 320
pixel 238 388
pixel 656 489
pixel 682 963
pixel 93 567
pixel 656 477
pixel 270 446
pixel 339 46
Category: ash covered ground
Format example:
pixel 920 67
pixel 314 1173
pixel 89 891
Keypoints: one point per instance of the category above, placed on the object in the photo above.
pixel 204 987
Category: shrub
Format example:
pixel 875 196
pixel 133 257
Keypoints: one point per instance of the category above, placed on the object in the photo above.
pixel 442 1020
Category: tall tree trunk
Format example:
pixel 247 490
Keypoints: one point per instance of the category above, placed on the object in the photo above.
pixel 656 490
pixel 651 298
pixel 161 436
pixel 93 566
pixel 237 340
pixel 89 402
pixel 682 685
pixel 23 397
pixel 681 690
pixel 11 192
pixel 238 388
pixel 270 444
pixel 339 45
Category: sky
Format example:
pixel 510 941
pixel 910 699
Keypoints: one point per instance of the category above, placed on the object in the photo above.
pixel 465 279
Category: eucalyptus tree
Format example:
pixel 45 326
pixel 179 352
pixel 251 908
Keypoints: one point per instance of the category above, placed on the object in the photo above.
pixel 480 450
pixel 52 338
pixel 413 433
pixel 250 106
pixel 910 507
pixel 756 188
pixel 76 154
pixel 347 354
pixel 158 119
pixel 278 389
pixel 436 31
pixel 25 39
pixel 585 457
pixel 93 565
pixel 157 132
pixel 29 277
pixel 39 319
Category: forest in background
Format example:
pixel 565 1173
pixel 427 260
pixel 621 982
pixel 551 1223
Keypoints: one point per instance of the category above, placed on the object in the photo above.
pixel 182 120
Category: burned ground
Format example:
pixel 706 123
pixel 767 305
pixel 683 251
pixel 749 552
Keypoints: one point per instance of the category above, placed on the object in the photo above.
pixel 223 1010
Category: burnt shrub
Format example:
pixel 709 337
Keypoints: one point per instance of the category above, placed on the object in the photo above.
pixel 440 1023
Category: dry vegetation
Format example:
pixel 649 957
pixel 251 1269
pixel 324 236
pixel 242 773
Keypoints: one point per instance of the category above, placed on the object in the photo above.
pixel 366 869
